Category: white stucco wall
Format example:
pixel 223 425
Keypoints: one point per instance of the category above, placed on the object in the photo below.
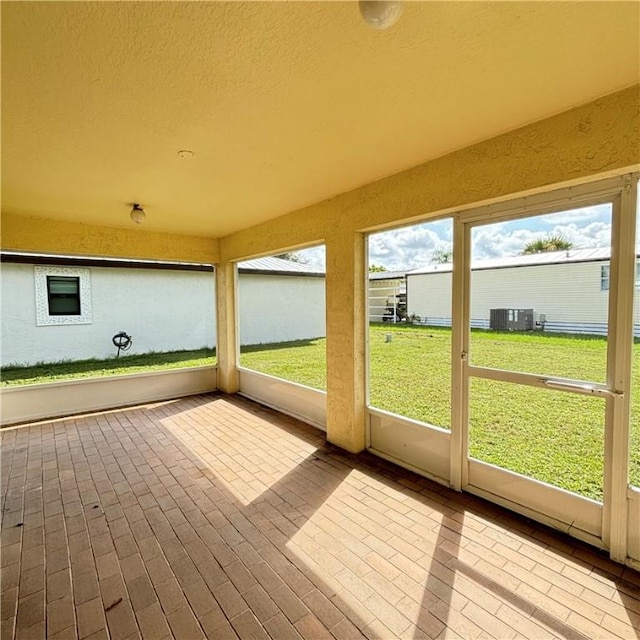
pixel 163 310
pixel 275 308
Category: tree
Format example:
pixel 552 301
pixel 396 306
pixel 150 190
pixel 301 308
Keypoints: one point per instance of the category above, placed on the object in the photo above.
pixel 376 268
pixel 292 256
pixel 550 243
pixel 441 256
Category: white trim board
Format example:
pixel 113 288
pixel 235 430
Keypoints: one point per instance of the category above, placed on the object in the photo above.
pixel 296 400
pixel 28 403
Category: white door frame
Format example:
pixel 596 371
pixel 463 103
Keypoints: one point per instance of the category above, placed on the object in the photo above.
pixel 606 524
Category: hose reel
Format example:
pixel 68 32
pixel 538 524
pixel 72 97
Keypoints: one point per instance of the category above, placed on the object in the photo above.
pixel 123 341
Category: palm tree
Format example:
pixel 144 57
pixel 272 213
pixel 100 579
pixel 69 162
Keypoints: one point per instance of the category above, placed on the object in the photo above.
pixel 550 243
pixel 292 256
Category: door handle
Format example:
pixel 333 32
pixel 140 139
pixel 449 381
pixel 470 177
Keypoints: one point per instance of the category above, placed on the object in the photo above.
pixel 582 387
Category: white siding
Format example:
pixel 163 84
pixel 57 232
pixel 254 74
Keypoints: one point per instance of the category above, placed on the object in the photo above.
pixel 161 310
pixel 275 308
pixel 429 296
pixel 569 295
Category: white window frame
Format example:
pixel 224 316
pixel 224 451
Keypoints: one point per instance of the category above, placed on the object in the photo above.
pixel 605 271
pixel 604 277
pixel 43 317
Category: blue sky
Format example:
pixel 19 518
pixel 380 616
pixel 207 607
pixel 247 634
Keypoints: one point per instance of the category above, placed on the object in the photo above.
pixel 411 247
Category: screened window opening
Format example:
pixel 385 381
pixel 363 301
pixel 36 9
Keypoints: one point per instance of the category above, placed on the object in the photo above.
pixel 63 295
pixel 281 316
pixel 410 279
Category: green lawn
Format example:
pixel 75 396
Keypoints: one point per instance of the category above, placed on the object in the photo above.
pixel 553 436
pixel 301 361
pixel 143 363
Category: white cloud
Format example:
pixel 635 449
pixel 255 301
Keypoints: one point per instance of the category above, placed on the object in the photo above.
pixel 601 211
pixel 596 234
pixel 409 247
pixel 412 247
pixel 315 256
pixel 497 241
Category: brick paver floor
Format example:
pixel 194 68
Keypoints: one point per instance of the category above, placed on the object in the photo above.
pixel 215 517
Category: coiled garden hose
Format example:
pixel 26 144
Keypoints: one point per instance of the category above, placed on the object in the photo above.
pixel 123 341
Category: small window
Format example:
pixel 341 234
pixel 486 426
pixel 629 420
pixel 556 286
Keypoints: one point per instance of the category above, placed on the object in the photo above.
pixel 604 278
pixel 63 294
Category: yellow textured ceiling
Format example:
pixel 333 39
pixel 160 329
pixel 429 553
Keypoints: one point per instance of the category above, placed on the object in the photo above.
pixel 284 103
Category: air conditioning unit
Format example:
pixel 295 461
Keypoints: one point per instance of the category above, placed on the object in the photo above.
pixel 511 319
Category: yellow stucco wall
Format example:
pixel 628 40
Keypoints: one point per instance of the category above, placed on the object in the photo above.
pixel 346 340
pixel 227 343
pixel 21 233
pixel 596 139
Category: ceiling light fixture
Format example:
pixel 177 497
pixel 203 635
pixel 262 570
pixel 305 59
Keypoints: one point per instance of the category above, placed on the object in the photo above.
pixel 137 214
pixel 380 14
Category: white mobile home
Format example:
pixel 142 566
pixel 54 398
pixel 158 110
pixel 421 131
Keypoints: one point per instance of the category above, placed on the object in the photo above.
pixel 69 308
pixel 66 308
pixel 567 291
pixel 280 301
